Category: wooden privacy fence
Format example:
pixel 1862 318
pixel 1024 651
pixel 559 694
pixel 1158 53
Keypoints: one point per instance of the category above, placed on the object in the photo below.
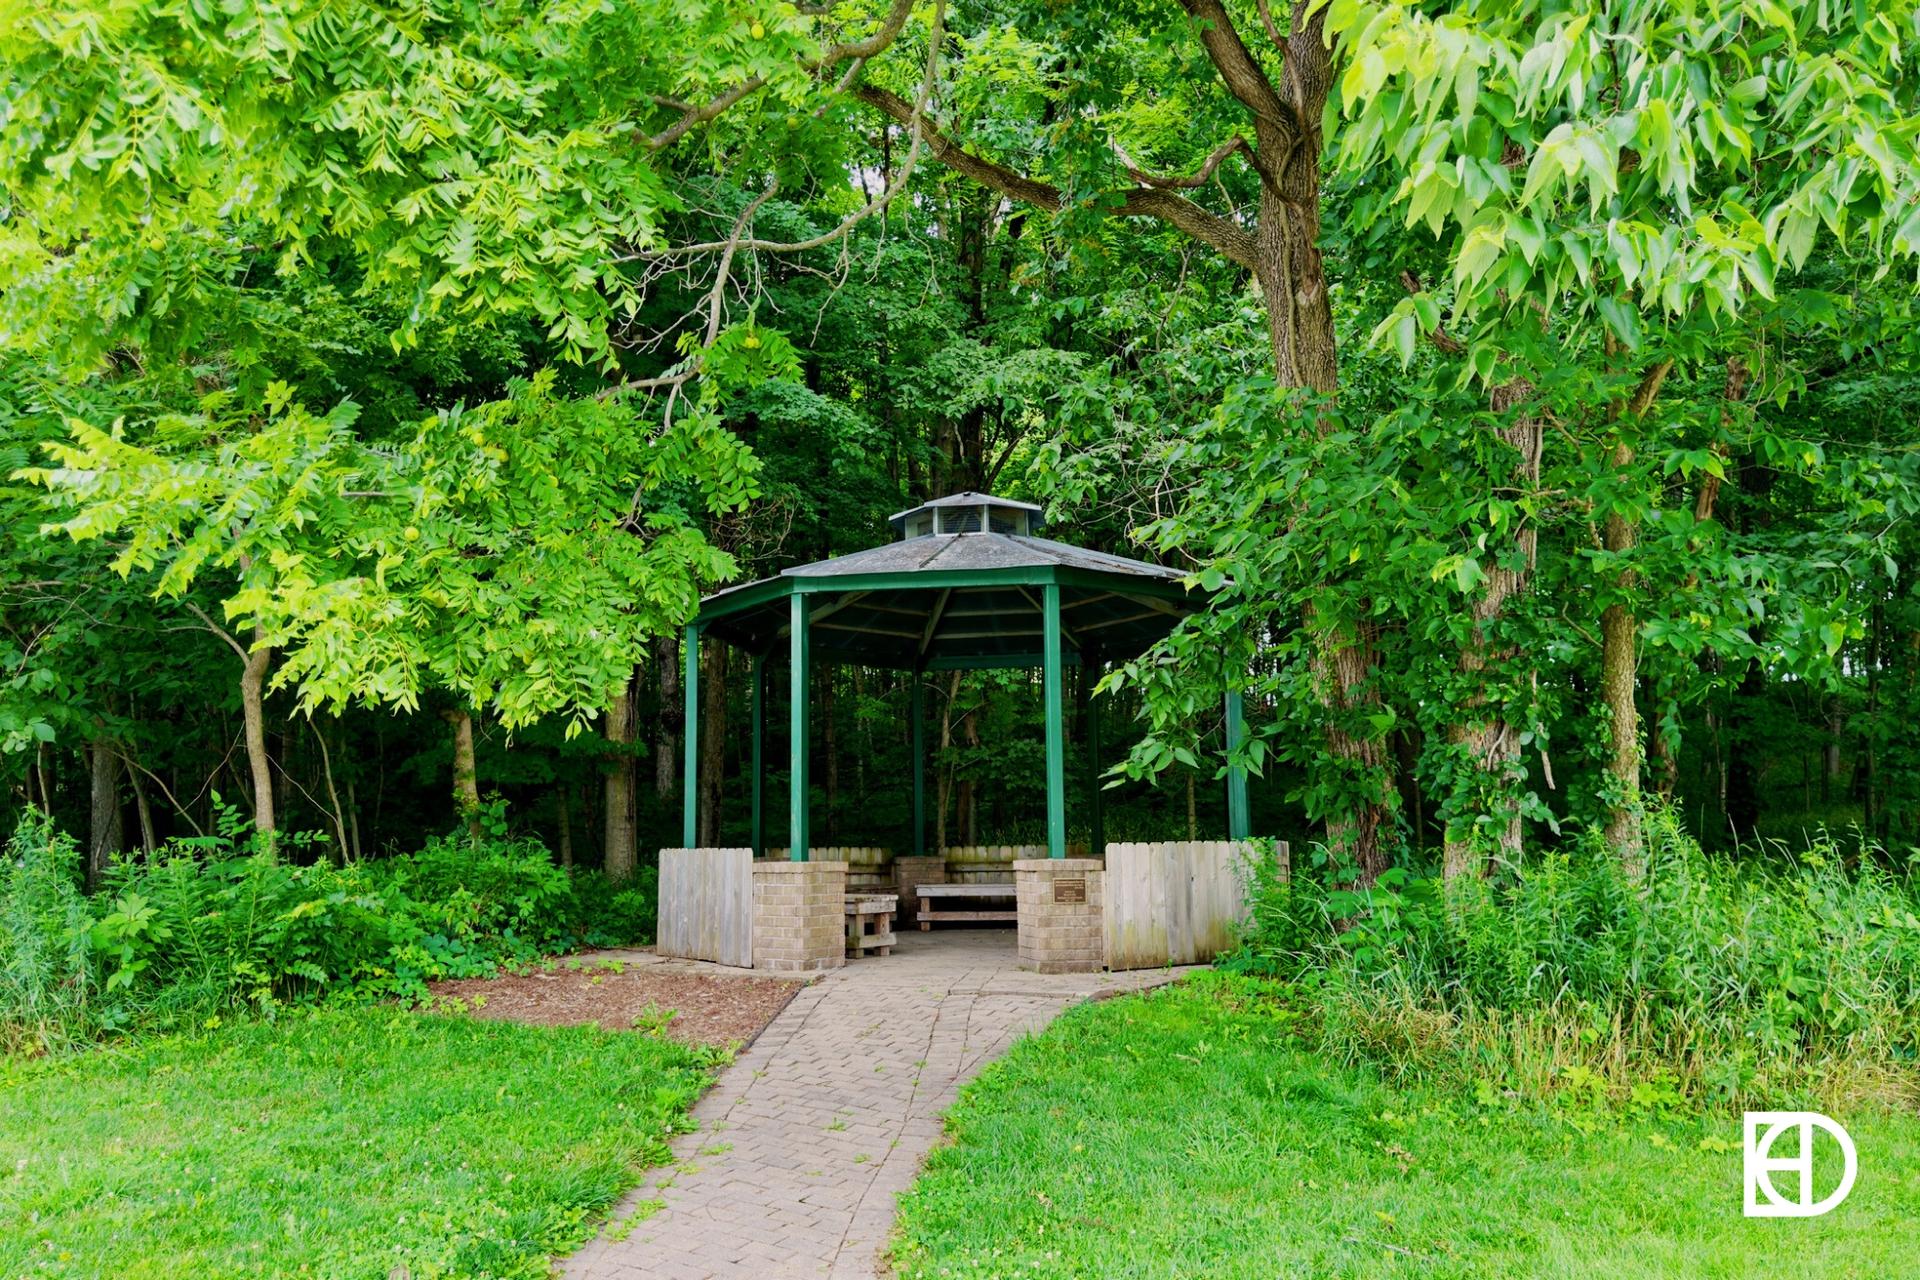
pixel 1174 903
pixel 993 863
pixel 706 905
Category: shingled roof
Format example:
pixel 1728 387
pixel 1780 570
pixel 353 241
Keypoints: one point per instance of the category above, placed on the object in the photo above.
pixel 947 600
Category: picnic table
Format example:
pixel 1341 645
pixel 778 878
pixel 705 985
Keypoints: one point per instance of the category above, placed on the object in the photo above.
pixel 931 896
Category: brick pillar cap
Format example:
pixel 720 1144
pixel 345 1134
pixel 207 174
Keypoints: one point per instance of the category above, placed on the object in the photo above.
pixel 1059 864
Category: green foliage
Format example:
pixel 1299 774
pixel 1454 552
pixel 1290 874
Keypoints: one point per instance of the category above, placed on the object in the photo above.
pixel 1735 975
pixel 334 1143
pixel 476 162
pixel 49 990
pixel 211 926
pixel 1674 161
pixel 519 553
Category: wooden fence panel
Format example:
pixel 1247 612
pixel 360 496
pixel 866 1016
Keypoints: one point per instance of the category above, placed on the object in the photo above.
pixel 706 905
pixel 993 863
pixel 1176 902
pixel 869 867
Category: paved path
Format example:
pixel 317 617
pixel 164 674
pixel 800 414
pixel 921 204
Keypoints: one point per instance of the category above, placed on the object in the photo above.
pixel 809 1135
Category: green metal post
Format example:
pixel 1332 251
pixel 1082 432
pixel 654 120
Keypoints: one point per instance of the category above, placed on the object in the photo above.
pixel 799 692
pixel 917 712
pixel 759 764
pixel 690 764
pixel 1239 823
pixel 1056 726
pixel 1096 797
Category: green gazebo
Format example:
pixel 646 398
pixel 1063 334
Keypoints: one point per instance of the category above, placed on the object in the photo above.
pixel 967 584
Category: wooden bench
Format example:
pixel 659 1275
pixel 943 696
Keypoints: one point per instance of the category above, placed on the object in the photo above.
pixel 870 924
pixel 930 894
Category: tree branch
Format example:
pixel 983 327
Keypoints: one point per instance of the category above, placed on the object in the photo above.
pixel 1197 179
pixel 216 628
pixel 1643 395
pixel 1227 237
pixel 832 56
pixel 1238 71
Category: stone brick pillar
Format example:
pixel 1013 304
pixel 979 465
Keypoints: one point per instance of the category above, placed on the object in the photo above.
pixel 799 916
pixel 1062 905
pixel 910 871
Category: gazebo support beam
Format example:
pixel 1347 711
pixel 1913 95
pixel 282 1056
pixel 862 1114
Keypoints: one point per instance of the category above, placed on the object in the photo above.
pixel 1056 727
pixel 800 694
pixel 690 759
pixel 1239 822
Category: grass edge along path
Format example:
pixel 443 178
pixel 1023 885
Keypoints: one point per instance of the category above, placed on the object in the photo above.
pixel 1192 1132
pixel 333 1143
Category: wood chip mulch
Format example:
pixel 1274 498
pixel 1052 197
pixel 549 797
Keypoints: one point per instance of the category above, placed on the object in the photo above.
pixel 713 1010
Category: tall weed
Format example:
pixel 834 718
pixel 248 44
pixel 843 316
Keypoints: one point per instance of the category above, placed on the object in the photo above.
pixel 1798 976
pixel 48 992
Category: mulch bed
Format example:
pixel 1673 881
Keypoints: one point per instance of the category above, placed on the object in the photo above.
pixel 706 1010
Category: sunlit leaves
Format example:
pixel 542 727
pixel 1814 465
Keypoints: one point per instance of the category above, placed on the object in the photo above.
pixel 1631 159
pixel 487 160
pixel 518 553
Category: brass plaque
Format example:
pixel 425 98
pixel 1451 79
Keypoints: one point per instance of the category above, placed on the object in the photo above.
pixel 1069 891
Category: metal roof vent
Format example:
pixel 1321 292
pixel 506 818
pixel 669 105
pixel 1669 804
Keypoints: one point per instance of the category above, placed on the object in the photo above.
pixel 968 513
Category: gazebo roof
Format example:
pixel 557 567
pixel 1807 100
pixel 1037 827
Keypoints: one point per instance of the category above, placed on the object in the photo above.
pixel 942 600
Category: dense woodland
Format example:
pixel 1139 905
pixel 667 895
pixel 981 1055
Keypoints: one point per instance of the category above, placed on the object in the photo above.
pixel 1534 384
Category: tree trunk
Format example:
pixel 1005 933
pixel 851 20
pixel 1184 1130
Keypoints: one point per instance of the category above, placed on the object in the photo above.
pixel 466 780
pixel 969 800
pixel 1486 796
pixel 563 804
pixel 333 796
pixel 1619 673
pixel 148 841
pixel 667 720
pixel 253 678
pixel 945 786
pixel 1293 285
pixel 1663 761
pixel 830 742
pixel 1872 810
pixel 1620 656
pixel 353 819
pixel 1293 280
pixel 1743 770
pixel 713 739
pixel 105 832
pixel 1830 752
pixel 620 855
pixel 1405 746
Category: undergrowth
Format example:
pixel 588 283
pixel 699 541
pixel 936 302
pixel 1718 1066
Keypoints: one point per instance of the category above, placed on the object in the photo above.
pixel 1719 981
pixel 210 926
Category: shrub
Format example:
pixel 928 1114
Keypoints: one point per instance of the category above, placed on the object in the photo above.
pixel 606 914
pixel 47 985
pixel 217 924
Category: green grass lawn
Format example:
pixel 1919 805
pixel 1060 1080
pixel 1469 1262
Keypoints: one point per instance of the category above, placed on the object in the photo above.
pixel 332 1144
pixel 1186 1134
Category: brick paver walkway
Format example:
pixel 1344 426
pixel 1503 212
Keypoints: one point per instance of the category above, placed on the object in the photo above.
pixel 807 1138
